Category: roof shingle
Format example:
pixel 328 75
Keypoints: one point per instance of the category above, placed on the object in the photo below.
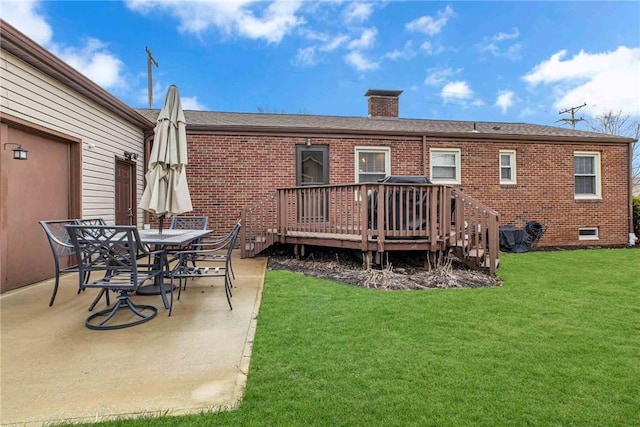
pixel 386 125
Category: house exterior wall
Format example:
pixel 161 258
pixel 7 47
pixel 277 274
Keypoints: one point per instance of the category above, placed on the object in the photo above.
pixel 35 97
pixel 228 172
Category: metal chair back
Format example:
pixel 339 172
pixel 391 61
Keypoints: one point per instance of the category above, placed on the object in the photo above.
pixel 189 222
pixel 91 221
pixel 111 249
pixel 61 247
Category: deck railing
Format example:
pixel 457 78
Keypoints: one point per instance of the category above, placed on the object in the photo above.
pixel 475 231
pixel 259 227
pixel 374 215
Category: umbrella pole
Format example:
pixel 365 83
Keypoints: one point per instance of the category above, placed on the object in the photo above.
pixel 161 223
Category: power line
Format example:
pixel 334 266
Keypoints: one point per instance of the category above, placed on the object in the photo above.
pixel 573 119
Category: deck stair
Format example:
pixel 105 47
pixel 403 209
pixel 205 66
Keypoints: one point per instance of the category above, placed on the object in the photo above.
pixel 376 218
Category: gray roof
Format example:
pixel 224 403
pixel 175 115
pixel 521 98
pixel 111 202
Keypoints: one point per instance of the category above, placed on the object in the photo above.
pixel 212 120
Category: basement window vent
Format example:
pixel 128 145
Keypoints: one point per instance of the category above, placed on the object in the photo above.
pixel 588 233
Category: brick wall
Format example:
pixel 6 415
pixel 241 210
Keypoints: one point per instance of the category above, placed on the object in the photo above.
pixel 228 172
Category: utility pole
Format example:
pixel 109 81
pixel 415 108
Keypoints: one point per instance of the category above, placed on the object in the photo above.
pixel 150 61
pixel 573 119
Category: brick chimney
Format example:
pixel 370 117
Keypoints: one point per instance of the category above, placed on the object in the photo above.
pixel 383 103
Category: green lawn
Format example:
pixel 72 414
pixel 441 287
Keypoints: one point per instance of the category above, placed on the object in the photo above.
pixel 557 345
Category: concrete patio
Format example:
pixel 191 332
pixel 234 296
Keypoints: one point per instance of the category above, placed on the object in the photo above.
pixel 54 369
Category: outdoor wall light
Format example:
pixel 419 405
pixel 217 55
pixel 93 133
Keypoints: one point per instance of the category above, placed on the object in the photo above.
pixel 308 142
pixel 19 153
pixel 130 155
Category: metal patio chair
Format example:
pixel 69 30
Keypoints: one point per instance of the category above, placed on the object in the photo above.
pixel 116 251
pixel 63 250
pixel 208 260
pixel 218 241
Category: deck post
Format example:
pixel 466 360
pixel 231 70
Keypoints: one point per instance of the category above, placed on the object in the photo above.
pixel 446 217
pixel 383 213
pixel 243 235
pixel 364 218
pixel 433 220
pixel 494 236
pixel 282 215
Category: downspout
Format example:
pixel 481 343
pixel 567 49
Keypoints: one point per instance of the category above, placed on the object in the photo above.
pixel 424 155
pixel 147 153
pixel 632 237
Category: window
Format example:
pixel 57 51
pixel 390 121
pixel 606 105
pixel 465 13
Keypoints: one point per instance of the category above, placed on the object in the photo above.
pixel 586 167
pixel 507 167
pixel 312 165
pixel 588 233
pixel 372 163
pixel 445 166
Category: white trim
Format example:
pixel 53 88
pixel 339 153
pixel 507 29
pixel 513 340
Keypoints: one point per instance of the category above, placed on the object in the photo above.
pixel 370 149
pixel 588 236
pixel 598 176
pixel 512 166
pixel 456 154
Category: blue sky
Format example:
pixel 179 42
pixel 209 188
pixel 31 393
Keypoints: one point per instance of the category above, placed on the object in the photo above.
pixel 484 61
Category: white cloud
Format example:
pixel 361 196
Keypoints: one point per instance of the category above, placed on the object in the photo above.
pixel 438 76
pixel 306 57
pixel 25 16
pixel 606 81
pixel 334 43
pixel 407 52
pixel 456 90
pixel 360 62
pixel 460 93
pixel 191 103
pixel 505 100
pixel 93 59
pixel 357 12
pixel 493 45
pixel 431 49
pixel 270 21
pixel 367 39
pixel 430 25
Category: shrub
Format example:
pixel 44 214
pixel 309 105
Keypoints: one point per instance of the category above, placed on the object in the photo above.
pixel 636 216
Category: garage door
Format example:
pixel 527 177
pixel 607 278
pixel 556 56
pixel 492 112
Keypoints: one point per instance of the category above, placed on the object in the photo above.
pixel 35 189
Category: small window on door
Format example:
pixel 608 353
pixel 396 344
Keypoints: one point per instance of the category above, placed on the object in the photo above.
pixel 312 165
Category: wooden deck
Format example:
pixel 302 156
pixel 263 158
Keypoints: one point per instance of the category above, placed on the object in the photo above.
pixel 375 218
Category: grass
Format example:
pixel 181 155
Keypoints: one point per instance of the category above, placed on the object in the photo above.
pixel 557 345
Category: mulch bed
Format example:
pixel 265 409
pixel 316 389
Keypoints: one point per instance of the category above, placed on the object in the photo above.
pixel 402 273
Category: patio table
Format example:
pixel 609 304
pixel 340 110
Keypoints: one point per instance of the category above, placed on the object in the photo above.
pixel 168 237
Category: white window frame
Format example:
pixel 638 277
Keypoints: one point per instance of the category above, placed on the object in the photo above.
pixel 595 236
pixel 456 153
pixel 512 166
pixel 598 175
pixel 365 149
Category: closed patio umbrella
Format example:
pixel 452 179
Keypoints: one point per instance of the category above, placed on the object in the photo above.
pixel 166 192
